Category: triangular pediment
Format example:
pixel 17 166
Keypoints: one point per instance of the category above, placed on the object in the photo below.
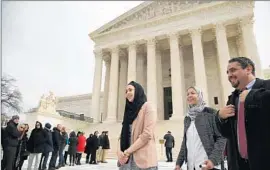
pixel 147 11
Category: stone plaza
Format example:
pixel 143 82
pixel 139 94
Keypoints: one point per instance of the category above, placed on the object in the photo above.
pixel 111 165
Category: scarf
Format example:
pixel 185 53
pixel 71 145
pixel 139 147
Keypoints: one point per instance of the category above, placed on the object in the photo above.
pixel 131 112
pixel 194 110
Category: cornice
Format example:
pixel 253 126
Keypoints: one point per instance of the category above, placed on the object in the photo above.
pixel 76 97
pixel 158 20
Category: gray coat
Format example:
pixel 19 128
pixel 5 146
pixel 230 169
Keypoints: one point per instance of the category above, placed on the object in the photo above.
pixel 212 141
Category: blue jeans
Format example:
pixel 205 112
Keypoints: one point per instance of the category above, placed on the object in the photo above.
pixel 61 156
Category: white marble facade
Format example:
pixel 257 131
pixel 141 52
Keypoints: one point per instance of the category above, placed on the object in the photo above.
pixel 171 44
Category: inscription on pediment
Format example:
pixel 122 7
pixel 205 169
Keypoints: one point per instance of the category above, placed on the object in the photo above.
pixel 154 10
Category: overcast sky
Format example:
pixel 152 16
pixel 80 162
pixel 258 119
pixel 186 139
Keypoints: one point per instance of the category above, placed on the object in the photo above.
pixel 45 45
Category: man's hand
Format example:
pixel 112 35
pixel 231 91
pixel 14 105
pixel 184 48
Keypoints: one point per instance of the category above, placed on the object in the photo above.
pixel 209 165
pixel 177 167
pixel 226 112
pixel 243 95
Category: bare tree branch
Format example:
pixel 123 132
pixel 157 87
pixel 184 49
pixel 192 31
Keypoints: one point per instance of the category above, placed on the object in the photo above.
pixel 11 97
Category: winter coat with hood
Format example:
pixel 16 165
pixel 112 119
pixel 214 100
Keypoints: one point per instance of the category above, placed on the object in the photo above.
pixel 56 139
pixel 48 145
pixel 37 140
pixel 73 141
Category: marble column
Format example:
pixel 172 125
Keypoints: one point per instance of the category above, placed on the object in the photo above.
pixel 122 86
pixel 176 77
pixel 113 86
pixel 132 62
pixel 141 70
pixel 106 86
pixel 223 57
pixel 239 45
pixel 160 100
pixel 95 110
pixel 250 44
pixel 151 72
pixel 199 64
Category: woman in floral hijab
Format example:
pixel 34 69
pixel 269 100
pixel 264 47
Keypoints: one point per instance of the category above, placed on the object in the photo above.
pixel 202 143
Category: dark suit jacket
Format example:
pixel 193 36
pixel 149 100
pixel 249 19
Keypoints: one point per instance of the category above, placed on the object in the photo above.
pixel 257 121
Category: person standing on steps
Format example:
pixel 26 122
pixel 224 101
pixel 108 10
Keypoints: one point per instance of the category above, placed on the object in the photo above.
pixel 106 146
pixel 169 144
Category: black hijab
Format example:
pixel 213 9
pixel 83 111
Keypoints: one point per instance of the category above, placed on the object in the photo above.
pixel 131 112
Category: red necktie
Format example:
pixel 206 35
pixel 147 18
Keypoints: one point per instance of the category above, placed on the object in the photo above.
pixel 242 139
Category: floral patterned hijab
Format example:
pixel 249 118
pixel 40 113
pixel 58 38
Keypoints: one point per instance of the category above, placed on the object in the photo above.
pixel 194 110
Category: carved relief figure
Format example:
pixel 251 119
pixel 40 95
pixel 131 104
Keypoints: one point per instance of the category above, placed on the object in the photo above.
pixel 51 102
pixel 47 104
pixel 42 104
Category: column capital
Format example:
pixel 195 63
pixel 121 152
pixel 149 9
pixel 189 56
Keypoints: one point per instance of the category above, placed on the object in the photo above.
pixel 98 52
pixel 219 26
pixel 247 21
pixel 132 44
pixel 195 31
pixel 172 35
pixel 151 41
pixel 114 49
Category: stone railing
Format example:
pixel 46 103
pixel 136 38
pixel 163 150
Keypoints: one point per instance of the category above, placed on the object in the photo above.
pixel 75 116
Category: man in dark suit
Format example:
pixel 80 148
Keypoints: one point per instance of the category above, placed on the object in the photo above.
pixel 245 119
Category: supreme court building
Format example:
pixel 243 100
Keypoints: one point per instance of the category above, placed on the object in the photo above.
pixel 167 46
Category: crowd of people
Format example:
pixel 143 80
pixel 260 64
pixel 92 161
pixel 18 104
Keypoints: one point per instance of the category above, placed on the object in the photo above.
pixel 45 146
pixel 240 129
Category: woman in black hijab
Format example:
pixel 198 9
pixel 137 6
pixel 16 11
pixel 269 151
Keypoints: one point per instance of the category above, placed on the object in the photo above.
pixel 137 143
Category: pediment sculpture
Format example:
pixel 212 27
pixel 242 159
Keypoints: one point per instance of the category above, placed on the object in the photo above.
pixel 47 104
pixel 155 10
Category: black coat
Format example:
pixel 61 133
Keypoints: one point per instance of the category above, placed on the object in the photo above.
pixel 48 145
pixel 93 142
pixel 72 148
pixel 22 152
pixel 56 139
pixel 88 146
pixel 257 109
pixel 101 140
pixel 11 135
pixel 106 142
pixel 36 141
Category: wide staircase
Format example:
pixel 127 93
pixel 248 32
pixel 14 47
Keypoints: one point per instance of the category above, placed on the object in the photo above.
pixel 175 126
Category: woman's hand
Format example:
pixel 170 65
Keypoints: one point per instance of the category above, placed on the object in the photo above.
pixel 122 158
pixel 209 165
pixel 177 167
